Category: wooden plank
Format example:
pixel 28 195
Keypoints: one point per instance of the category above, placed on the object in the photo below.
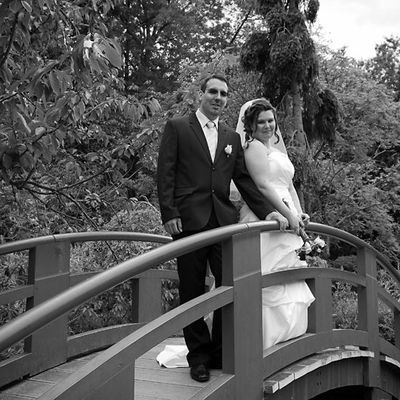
pixel 49 271
pixel 303 367
pixel 391 361
pixel 221 388
pixel 15 397
pixel 320 311
pixel 242 330
pixel 151 380
pixel 14 368
pixel 368 311
pixel 164 390
pixel 28 387
pixel 14 294
pixel 146 299
pixel 98 339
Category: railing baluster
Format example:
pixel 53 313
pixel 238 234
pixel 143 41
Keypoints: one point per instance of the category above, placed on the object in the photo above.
pixel 49 272
pixel 396 327
pixel 242 329
pixel 368 311
pixel 146 306
pixel 320 311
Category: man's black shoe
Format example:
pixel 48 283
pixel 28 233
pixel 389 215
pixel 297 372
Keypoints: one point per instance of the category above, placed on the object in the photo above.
pixel 200 373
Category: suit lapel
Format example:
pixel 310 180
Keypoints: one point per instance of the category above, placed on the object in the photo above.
pixel 198 131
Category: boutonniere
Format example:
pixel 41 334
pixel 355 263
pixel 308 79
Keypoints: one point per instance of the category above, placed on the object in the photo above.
pixel 228 150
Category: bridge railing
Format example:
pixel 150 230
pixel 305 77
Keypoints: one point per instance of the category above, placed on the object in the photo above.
pixel 48 274
pixel 244 364
pixel 321 334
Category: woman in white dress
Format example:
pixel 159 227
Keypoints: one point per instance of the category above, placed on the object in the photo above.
pixel 284 307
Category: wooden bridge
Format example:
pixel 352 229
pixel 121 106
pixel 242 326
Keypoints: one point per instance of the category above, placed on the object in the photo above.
pixel 118 362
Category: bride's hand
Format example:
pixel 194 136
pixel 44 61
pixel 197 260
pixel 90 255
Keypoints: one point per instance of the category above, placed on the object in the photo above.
pixel 305 218
pixel 295 223
pixel 275 215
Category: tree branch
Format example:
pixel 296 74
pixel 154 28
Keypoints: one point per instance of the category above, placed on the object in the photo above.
pixel 5 54
pixel 241 25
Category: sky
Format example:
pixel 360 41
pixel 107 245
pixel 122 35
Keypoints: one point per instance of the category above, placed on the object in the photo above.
pixel 358 24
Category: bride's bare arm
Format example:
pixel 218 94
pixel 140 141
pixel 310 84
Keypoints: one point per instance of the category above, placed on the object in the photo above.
pixel 256 162
pixel 305 218
pixel 295 198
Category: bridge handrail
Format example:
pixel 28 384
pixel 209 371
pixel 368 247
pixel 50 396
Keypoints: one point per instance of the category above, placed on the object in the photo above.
pixel 26 244
pixel 49 310
pixel 34 319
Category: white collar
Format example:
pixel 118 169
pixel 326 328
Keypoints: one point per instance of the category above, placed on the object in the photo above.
pixel 203 119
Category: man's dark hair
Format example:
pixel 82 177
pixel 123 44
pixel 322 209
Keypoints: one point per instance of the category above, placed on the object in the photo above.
pixel 214 76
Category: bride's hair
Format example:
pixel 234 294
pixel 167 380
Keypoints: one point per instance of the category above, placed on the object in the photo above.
pixel 251 114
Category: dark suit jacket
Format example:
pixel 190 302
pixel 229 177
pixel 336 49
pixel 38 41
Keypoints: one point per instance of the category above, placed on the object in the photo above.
pixel 190 185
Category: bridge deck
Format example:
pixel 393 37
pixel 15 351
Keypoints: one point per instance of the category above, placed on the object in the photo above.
pixel 151 380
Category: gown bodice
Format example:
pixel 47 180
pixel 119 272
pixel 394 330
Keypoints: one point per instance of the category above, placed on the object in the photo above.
pixel 280 173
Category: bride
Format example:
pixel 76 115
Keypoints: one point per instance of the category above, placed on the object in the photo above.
pixel 284 307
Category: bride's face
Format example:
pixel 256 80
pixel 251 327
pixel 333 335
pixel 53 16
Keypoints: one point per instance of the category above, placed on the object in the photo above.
pixel 265 126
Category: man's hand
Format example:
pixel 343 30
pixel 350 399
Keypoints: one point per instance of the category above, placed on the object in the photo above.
pixel 173 226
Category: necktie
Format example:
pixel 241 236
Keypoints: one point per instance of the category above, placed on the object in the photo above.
pixel 211 134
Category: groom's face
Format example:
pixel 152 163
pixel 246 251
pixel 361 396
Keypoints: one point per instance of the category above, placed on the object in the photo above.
pixel 214 98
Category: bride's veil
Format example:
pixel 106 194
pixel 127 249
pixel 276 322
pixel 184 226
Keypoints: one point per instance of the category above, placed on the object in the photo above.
pixel 240 128
pixel 279 145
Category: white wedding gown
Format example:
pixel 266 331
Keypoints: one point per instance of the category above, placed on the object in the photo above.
pixel 284 307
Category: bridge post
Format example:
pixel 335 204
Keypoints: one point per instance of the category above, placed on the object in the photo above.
pixel 49 273
pixel 145 305
pixel 320 311
pixel 396 326
pixel 241 321
pixel 368 313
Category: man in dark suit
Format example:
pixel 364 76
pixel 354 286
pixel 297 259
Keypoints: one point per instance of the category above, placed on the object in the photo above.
pixel 198 158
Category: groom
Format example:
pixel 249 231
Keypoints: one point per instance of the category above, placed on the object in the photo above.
pixel 198 158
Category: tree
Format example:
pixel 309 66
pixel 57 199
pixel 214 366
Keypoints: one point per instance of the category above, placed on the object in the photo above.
pixel 158 35
pixel 356 184
pixel 385 66
pixel 285 55
pixel 60 102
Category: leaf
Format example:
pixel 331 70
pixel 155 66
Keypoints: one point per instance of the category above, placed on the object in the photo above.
pixel 55 83
pixel 26 161
pixel 40 130
pixel 23 122
pixel 27 6
pixel 6 161
pixel 111 50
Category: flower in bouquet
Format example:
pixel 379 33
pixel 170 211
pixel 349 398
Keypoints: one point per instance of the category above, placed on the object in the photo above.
pixel 312 245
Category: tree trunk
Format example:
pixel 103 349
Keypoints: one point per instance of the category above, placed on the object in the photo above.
pixel 299 136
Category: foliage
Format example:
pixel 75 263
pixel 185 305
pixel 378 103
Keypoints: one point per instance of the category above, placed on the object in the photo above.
pixel 114 306
pixel 158 35
pixel 59 110
pixel 385 66
pixel 356 184
pixel 285 55
pixel 346 311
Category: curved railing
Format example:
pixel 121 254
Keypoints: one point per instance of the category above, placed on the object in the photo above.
pixel 48 272
pixel 244 366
